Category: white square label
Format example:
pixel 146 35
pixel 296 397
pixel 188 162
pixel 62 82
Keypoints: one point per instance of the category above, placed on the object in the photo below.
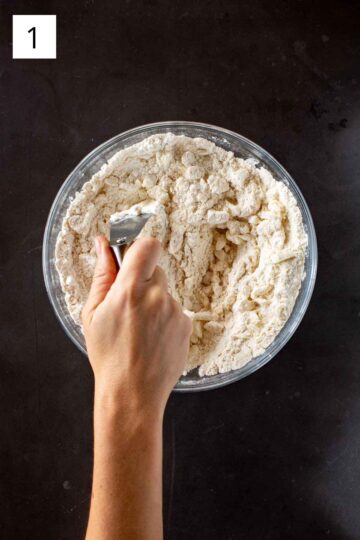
pixel 34 36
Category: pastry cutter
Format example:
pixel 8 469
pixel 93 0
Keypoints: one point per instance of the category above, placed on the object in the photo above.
pixel 123 230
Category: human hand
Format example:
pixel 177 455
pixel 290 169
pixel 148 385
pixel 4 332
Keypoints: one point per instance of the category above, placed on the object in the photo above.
pixel 137 335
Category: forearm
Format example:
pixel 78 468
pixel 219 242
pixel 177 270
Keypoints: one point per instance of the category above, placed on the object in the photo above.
pixel 126 498
pixel 137 337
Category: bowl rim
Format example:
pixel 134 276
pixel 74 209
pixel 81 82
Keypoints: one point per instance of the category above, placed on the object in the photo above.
pixel 255 363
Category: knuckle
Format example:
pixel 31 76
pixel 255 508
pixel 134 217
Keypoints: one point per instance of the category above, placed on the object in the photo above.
pixel 157 298
pixel 160 296
pixel 131 292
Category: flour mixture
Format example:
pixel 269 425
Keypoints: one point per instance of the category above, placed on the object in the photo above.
pixel 233 241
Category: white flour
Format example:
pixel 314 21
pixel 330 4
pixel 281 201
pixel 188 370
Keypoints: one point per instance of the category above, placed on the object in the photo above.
pixel 233 241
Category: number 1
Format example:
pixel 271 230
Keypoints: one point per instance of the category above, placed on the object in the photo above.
pixel 33 29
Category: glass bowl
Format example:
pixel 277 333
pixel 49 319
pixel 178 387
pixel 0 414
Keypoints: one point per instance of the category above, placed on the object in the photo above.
pixel 226 139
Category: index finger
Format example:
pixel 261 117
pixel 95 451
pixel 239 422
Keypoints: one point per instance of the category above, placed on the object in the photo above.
pixel 140 260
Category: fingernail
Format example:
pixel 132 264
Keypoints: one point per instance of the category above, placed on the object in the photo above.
pixel 97 246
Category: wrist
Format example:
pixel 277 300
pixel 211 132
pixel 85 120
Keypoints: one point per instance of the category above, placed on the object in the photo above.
pixel 114 404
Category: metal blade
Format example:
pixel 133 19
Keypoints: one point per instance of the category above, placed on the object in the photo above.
pixel 126 228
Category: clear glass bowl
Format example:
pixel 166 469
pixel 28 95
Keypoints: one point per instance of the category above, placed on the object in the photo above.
pixel 228 140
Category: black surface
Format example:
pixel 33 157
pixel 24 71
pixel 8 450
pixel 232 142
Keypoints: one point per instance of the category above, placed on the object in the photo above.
pixel 275 456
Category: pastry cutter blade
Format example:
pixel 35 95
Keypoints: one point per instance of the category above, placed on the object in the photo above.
pixel 124 230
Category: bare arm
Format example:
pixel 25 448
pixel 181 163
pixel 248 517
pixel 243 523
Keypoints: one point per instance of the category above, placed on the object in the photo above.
pixel 137 338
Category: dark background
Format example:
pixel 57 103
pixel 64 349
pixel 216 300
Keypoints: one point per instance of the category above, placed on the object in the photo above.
pixel 274 456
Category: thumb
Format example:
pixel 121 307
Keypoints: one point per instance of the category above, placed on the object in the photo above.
pixel 104 276
pixel 140 260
